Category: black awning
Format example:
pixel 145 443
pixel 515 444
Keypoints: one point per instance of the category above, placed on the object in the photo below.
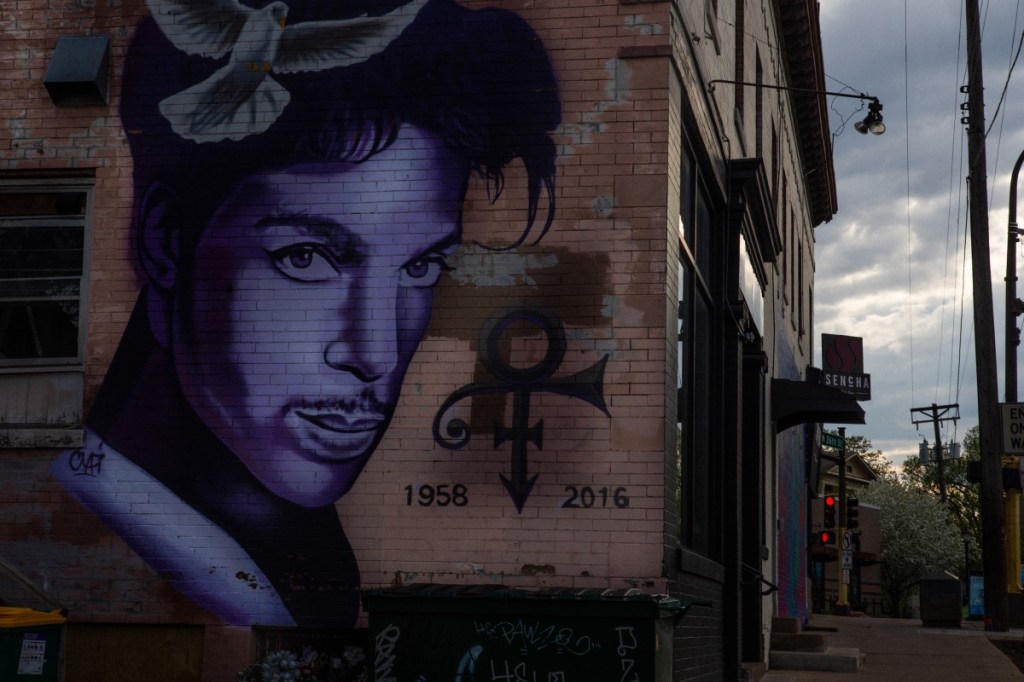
pixel 801 402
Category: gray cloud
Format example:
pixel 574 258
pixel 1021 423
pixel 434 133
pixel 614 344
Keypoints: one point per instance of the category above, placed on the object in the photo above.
pixel 889 267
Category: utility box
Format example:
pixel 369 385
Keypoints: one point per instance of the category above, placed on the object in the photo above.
pixel 941 605
pixel 30 644
pixel 444 632
pixel 79 72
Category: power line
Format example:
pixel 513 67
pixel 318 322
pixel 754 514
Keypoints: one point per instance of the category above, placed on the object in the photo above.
pixel 1006 85
pixel 953 385
pixel 910 232
pixel 963 298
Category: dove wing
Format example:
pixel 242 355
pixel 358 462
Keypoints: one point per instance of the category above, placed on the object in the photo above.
pixel 205 27
pixel 231 104
pixel 318 45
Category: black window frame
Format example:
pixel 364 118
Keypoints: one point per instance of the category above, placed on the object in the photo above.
pixel 697 449
pixel 58 293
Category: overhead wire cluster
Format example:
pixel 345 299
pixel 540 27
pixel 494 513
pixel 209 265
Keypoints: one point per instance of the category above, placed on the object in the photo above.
pixel 955 276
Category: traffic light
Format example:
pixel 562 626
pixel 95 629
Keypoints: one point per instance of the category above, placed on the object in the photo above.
pixel 826 537
pixel 852 512
pixel 831 502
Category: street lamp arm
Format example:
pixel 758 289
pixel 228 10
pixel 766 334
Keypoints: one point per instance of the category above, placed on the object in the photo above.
pixel 861 96
pixel 872 123
pixel 1013 190
pixel 1011 334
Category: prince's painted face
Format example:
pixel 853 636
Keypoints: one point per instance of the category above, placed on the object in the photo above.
pixel 310 290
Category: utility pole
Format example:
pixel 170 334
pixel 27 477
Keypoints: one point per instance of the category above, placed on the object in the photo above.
pixel 1014 307
pixel 844 550
pixel 937 414
pixel 992 529
pixel 843 597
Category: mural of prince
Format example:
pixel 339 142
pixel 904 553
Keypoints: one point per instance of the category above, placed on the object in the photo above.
pixel 299 173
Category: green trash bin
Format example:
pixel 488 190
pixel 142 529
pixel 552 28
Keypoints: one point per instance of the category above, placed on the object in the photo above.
pixel 30 643
pixel 491 632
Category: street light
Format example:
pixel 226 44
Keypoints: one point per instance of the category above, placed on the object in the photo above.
pixel 872 123
pixel 1014 307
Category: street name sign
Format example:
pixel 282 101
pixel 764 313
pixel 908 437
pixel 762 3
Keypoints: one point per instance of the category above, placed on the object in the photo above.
pixel 832 440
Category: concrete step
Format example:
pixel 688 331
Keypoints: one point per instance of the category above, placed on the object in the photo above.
pixel 753 672
pixel 800 641
pixel 787 625
pixel 833 659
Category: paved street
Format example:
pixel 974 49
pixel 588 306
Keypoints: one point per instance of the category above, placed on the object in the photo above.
pixel 902 650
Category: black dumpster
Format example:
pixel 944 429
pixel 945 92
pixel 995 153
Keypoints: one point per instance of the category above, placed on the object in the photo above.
pixel 445 632
pixel 941 606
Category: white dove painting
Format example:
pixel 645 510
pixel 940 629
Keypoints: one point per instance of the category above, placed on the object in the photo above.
pixel 242 98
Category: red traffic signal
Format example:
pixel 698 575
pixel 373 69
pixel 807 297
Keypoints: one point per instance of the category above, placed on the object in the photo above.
pixel 826 537
pixel 831 502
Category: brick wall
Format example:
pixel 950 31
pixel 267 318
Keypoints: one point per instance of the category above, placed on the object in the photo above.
pixel 601 512
pixel 594 517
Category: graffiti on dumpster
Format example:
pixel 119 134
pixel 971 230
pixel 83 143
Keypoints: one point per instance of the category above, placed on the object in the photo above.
pixel 445 643
pixel 535 636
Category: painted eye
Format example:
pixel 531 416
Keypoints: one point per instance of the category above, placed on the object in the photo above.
pixel 300 258
pixel 424 271
pixel 306 262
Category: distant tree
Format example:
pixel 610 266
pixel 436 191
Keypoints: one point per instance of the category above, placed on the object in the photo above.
pixel 876 459
pixel 917 539
pixel 963 498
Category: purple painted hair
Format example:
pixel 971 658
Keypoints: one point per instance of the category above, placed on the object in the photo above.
pixel 478 79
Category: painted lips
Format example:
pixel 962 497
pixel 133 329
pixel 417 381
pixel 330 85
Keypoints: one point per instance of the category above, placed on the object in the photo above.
pixel 338 422
pixel 339 436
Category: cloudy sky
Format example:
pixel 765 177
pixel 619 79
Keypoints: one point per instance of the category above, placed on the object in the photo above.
pixel 891 266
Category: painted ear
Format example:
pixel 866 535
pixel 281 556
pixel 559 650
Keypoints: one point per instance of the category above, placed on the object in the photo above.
pixel 158 233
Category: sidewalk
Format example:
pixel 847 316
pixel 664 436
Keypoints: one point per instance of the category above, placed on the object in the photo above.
pixel 903 650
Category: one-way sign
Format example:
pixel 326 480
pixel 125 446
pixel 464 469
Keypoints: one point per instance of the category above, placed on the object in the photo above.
pixel 1013 428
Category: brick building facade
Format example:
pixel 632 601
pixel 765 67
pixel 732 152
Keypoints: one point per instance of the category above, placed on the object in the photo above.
pixel 264 346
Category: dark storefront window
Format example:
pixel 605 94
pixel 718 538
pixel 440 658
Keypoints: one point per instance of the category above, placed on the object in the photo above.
pixel 694 443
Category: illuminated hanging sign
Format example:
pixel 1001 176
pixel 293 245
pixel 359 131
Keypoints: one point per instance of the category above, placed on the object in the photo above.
pixel 842 365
